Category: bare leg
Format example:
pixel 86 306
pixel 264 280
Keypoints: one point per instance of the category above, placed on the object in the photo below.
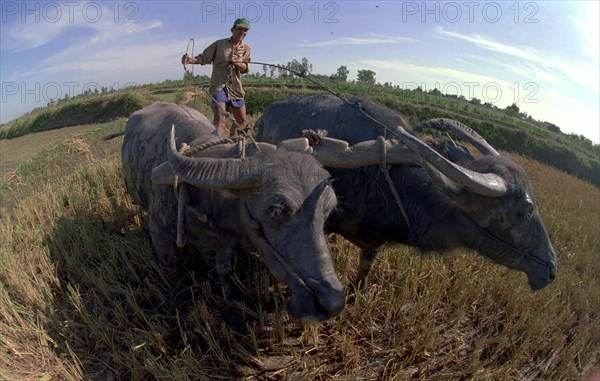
pixel 239 113
pixel 219 117
pixel 162 246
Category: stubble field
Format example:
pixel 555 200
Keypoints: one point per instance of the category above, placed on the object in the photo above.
pixel 81 296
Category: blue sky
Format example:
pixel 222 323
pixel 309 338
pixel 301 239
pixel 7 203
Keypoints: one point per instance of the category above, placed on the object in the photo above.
pixel 541 55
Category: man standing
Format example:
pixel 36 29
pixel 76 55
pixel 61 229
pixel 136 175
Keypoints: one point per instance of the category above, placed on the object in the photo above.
pixel 230 58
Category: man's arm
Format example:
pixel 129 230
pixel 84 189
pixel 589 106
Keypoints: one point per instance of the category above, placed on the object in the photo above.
pixel 243 64
pixel 206 57
pixel 240 65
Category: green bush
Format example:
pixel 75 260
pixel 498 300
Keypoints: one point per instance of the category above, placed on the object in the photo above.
pixel 258 100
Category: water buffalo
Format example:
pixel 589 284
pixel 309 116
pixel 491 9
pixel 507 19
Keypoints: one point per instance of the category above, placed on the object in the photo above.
pixel 486 204
pixel 274 199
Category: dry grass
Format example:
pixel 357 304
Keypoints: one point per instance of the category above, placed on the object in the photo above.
pixel 81 298
pixel 18 150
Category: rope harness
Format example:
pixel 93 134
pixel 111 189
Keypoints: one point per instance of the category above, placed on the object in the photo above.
pixel 385 168
pixel 313 137
pixel 316 138
pixel 181 192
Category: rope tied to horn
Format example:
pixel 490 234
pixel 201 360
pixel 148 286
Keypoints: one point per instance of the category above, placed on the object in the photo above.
pixel 385 168
pixel 181 191
pixel 315 137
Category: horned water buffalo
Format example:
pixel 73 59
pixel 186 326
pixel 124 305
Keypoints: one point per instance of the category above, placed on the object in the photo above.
pixel 274 199
pixel 450 199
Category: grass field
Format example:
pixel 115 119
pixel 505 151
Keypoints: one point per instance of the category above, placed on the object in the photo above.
pixel 81 296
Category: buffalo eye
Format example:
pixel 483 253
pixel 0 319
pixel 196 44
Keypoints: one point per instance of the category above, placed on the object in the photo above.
pixel 279 209
pixel 529 207
pixel 523 210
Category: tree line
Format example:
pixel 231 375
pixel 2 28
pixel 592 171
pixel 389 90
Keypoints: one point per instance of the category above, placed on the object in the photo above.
pixel 368 78
pixel 364 77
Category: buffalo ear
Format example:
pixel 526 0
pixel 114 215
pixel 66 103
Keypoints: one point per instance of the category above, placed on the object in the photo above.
pixel 163 175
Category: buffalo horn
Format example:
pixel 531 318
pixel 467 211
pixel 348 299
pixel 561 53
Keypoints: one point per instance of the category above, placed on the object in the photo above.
pixel 486 184
pixel 217 173
pixel 463 131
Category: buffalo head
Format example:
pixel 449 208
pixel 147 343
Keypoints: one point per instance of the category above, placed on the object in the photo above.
pixel 279 201
pixel 424 199
pixel 497 201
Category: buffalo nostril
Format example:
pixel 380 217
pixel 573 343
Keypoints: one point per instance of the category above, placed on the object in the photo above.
pixel 329 296
pixel 336 308
pixel 330 307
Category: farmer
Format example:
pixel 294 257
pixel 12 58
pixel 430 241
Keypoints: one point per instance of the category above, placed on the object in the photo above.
pixel 230 58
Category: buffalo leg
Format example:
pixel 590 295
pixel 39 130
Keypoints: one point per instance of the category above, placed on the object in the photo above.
pixel 223 260
pixel 367 258
pixel 161 246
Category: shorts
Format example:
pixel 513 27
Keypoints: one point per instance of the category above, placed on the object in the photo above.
pixel 223 97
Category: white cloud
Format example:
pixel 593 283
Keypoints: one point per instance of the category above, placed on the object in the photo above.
pixel 548 104
pixel 46 26
pixel 21 37
pixel 590 29
pixel 369 39
pixel 534 64
pixel 107 54
pixel 485 43
pixel 568 113
pixel 408 73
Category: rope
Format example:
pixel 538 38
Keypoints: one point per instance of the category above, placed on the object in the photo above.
pixel 188 151
pixel 193 43
pixel 241 131
pixel 315 137
pixel 385 168
pixel 201 86
pixel 356 105
pixel 187 49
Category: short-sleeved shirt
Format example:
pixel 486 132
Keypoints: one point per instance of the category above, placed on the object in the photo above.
pixel 223 74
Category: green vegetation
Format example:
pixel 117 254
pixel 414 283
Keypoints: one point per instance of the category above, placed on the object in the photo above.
pixel 366 77
pixel 84 109
pixel 507 129
pixel 82 298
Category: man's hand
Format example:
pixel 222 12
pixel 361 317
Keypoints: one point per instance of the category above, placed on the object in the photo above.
pixel 185 59
pixel 239 63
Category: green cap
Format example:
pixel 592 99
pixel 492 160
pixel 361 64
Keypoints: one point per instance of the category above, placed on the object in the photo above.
pixel 242 23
